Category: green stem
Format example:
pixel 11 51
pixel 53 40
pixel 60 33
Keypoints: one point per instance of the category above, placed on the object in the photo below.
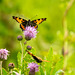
pixel 22 55
pixel 11 72
pixel 1 66
pixel 25 55
pixel 65 41
pixel 20 72
pixel 64 23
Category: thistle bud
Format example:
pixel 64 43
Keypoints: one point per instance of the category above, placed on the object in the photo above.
pixel 25 42
pixel 29 47
pixel 11 65
pixel 19 37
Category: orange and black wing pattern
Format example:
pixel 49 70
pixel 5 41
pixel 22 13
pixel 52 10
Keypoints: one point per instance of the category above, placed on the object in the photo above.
pixel 38 21
pixel 38 59
pixel 22 22
pixel 19 20
pixel 22 27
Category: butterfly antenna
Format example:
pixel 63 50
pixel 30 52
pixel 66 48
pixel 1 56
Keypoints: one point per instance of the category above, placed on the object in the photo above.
pixel 34 16
pixel 27 18
pixel 24 17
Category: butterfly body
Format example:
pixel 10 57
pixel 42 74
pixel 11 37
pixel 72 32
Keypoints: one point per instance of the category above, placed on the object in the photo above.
pixel 38 59
pixel 24 23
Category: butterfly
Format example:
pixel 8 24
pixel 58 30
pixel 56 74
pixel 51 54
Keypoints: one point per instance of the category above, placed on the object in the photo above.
pixel 38 59
pixel 24 23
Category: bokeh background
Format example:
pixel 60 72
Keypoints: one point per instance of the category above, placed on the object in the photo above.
pixel 51 31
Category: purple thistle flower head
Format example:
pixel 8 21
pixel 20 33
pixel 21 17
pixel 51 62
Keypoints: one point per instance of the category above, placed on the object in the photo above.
pixel 30 32
pixel 33 68
pixel 3 54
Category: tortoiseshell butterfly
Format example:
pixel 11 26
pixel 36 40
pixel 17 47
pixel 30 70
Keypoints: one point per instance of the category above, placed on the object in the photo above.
pixel 24 23
pixel 38 59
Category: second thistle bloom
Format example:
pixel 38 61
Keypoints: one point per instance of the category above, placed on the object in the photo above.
pixel 30 32
pixel 3 54
pixel 33 68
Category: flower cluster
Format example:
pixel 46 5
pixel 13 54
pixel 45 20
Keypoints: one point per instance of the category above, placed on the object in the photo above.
pixel 3 54
pixel 29 33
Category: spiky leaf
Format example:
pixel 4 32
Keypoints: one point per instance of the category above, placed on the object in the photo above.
pixel 19 60
pixel 58 66
pixel 49 64
pixel 4 72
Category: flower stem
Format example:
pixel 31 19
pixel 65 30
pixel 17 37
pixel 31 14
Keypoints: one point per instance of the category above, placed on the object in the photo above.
pixel 25 55
pixel 64 23
pixel 65 41
pixel 11 72
pixel 22 55
pixel 20 72
pixel 1 66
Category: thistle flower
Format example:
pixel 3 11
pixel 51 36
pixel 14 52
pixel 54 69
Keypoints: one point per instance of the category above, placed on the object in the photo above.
pixel 33 68
pixel 3 54
pixel 30 32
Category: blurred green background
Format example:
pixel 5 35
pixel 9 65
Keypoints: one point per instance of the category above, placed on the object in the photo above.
pixel 50 31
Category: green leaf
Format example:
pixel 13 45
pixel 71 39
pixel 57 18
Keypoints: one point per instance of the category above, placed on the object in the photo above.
pixel 49 64
pixel 4 71
pixel 15 69
pixel 41 70
pixel 59 71
pixel 15 73
pixel 59 65
pixel 33 51
pixel 19 60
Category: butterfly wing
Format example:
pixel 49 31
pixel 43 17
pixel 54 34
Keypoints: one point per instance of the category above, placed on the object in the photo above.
pixel 19 20
pixel 22 27
pixel 25 23
pixel 38 21
pixel 38 60
pixel 22 21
